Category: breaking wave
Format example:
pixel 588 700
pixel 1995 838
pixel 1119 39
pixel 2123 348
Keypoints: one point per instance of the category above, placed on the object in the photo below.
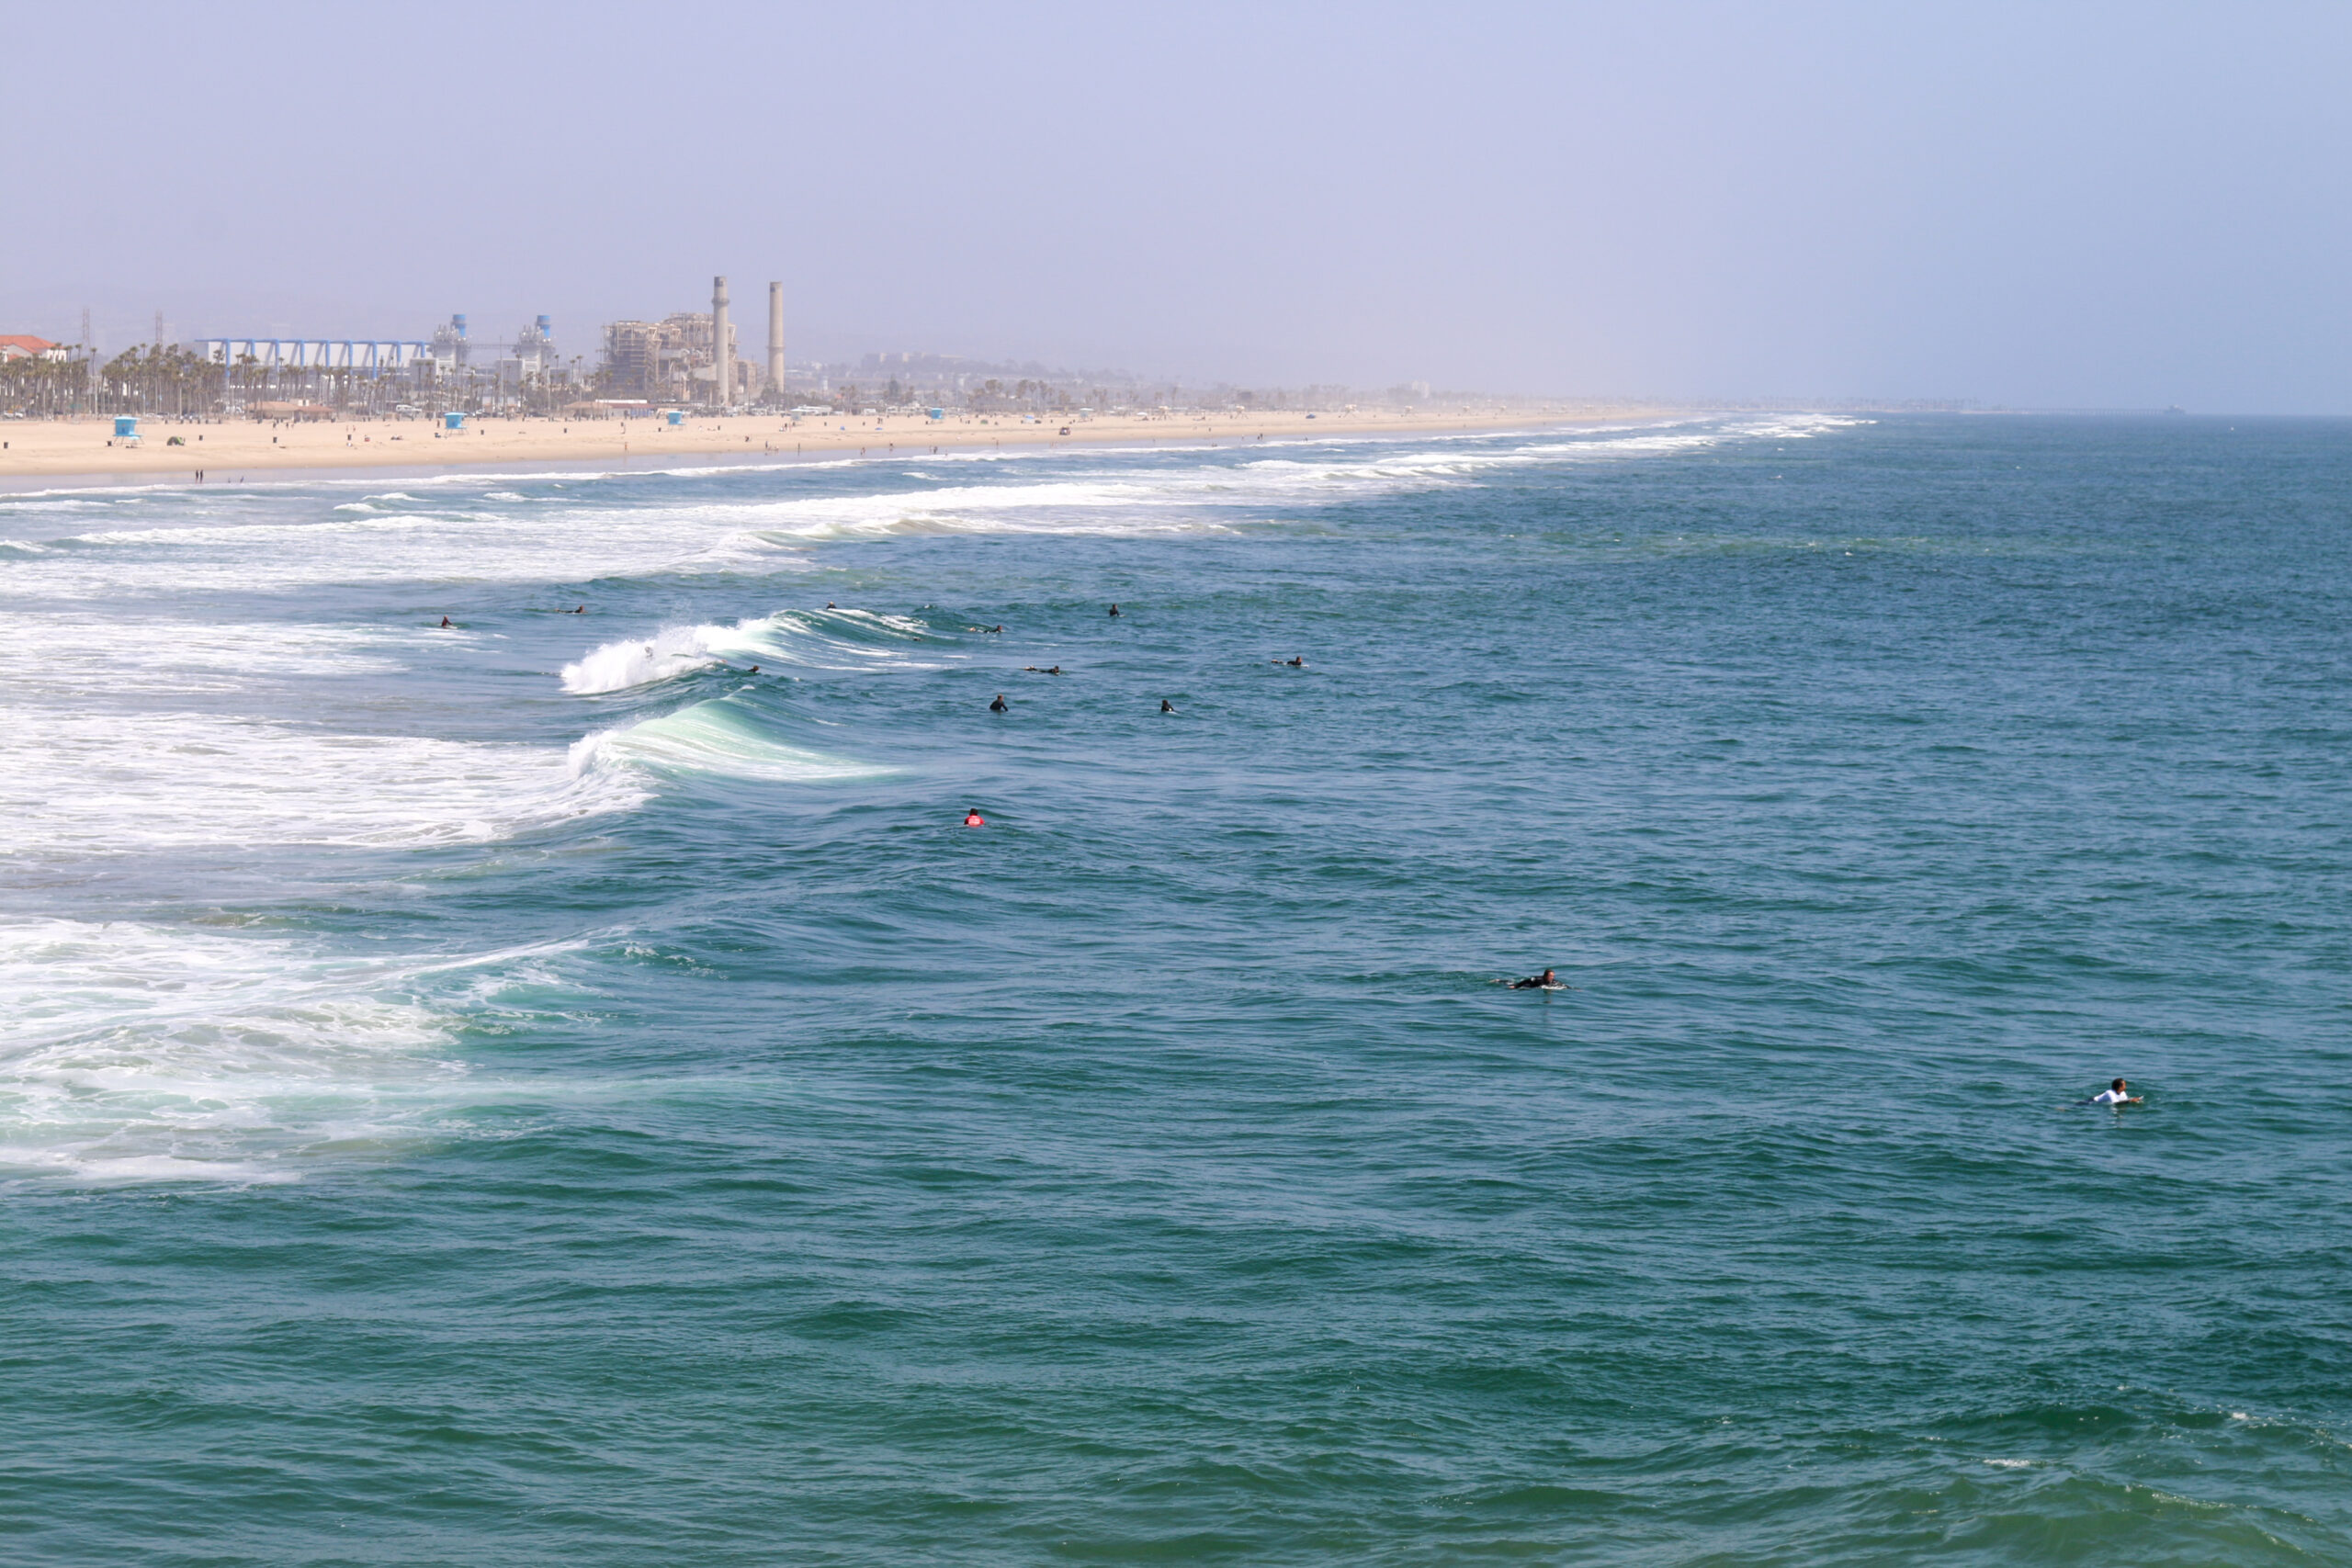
pixel 720 738
pixel 824 639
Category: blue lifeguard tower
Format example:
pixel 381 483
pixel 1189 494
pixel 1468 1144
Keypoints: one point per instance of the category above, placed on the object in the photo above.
pixel 675 416
pixel 453 421
pixel 126 427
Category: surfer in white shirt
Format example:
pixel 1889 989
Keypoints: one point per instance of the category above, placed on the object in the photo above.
pixel 2115 1095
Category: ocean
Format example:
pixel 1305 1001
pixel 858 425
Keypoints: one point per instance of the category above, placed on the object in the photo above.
pixel 535 1092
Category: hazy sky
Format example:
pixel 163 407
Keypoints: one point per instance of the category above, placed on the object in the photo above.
pixel 2042 204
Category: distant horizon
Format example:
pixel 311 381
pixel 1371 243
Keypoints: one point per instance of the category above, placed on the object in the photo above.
pixel 2102 206
pixel 852 363
pixel 120 330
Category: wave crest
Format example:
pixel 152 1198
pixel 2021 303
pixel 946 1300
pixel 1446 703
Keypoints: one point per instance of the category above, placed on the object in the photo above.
pixel 721 738
pixel 641 662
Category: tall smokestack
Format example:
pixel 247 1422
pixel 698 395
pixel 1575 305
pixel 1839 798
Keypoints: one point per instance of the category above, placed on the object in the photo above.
pixel 721 357
pixel 775 339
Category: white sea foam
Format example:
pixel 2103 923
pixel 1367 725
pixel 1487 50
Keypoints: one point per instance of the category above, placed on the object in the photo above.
pixel 403 545
pixel 633 661
pixel 77 654
pixel 460 533
pixel 134 1052
pixel 1213 494
pixel 123 781
pixel 827 640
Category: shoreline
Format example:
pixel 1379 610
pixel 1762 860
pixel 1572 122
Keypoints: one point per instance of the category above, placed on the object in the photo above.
pixel 77 454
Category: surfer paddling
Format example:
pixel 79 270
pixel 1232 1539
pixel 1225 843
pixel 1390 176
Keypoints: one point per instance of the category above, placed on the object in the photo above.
pixel 1547 981
pixel 2117 1093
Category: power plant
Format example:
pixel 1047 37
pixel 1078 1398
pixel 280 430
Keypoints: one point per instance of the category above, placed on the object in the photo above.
pixel 689 357
pixel 692 356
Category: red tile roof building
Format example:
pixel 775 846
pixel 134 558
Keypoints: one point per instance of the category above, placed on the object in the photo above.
pixel 23 347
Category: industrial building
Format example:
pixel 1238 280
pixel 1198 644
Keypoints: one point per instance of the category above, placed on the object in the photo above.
pixel 670 361
pixel 450 367
pixel 370 356
pixel 675 359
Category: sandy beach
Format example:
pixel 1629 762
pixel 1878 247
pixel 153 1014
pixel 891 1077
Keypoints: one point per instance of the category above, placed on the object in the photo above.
pixel 230 449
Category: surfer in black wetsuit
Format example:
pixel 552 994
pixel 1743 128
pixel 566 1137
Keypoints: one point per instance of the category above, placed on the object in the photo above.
pixel 1543 982
pixel 1115 611
pixel 999 706
pixel 444 622
pixel 1167 707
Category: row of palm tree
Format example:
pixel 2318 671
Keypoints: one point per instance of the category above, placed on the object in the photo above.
pixel 166 382
pixel 176 382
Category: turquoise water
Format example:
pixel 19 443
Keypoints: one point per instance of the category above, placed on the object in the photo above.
pixel 536 1092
